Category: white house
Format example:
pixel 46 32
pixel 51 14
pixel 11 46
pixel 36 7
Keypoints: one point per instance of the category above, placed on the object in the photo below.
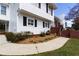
pixel 65 23
pixel 68 23
pixel 23 17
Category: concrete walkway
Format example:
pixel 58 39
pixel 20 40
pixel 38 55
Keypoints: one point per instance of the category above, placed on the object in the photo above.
pixel 27 49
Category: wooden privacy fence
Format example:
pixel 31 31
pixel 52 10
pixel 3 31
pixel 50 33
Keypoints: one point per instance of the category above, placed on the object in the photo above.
pixel 74 33
pixel 70 33
pixel 65 33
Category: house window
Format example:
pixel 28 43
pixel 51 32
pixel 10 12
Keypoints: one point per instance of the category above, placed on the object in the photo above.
pixel 45 24
pixel 66 24
pixel 30 22
pixel 39 5
pixel 24 21
pixel 47 7
pixel 3 10
pixel 35 23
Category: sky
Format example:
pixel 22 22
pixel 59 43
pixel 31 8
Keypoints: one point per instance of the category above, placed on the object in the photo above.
pixel 63 8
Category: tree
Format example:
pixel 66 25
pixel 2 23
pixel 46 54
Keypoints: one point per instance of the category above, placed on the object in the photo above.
pixel 74 14
pixel 75 24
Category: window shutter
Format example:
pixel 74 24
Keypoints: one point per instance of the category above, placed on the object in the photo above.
pixel 35 23
pixel 39 5
pixel 47 7
pixel 24 21
pixel 43 25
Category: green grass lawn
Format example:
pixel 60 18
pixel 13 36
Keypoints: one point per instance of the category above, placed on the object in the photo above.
pixel 71 48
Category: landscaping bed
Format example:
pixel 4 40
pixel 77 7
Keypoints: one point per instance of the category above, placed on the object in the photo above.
pixel 37 39
pixel 28 37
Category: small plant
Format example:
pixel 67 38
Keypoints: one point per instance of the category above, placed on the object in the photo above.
pixel 48 32
pixel 20 36
pixel 42 34
pixel 28 33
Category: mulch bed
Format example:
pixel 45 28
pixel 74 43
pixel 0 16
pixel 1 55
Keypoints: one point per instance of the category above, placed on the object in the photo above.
pixel 37 39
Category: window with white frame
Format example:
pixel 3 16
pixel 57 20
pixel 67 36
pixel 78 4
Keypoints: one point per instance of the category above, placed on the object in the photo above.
pixel 3 10
pixel 30 22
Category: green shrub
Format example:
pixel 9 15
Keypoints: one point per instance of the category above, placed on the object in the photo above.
pixel 19 36
pixel 42 34
pixel 14 37
pixel 10 36
pixel 48 32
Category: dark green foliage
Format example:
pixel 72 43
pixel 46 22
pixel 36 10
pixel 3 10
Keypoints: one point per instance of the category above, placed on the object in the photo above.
pixel 75 26
pixel 14 37
pixel 10 36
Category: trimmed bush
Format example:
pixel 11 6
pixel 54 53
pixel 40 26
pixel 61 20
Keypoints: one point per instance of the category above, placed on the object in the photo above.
pixel 14 37
pixel 10 36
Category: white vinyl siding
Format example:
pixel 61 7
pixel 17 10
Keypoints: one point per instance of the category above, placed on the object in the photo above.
pixel 32 27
